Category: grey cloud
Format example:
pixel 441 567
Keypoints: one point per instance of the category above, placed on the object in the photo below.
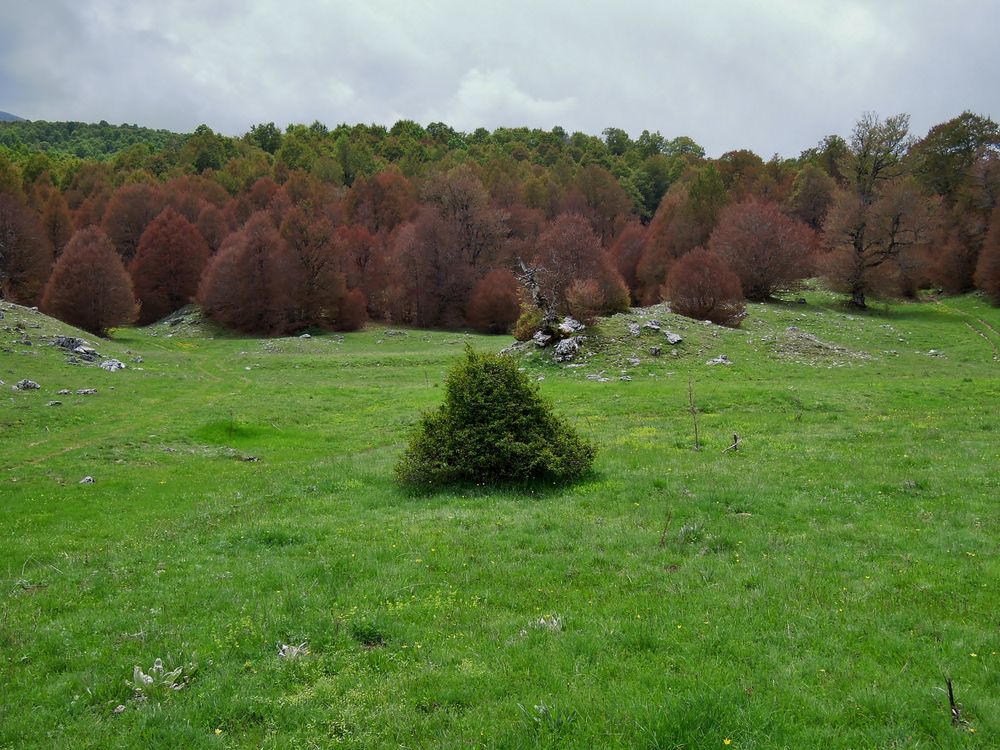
pixel 773 76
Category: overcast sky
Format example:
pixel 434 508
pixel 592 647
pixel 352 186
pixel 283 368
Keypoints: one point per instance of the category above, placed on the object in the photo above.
pixel 774 76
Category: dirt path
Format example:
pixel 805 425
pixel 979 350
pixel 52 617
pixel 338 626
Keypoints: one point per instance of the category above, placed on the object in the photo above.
pixel 990 334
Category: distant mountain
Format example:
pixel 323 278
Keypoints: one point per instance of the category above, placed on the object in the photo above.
pixel 8 117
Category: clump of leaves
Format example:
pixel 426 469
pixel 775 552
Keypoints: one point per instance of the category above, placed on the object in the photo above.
pixel 159 681
pixel 493 427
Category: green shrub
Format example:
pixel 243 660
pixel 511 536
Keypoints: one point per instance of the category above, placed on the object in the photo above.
pixel 493 427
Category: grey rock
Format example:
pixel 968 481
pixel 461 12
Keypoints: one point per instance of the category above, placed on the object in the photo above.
pixel 654 351
pixel 112 365
pixel 87 480
pixel 570 326
pixel 26 385
pixel 567 348
pixel 305 336
pixel 63 392
pixel 634 330
pixel 722 359
pixel 653 325
pixel 634 361
pixel 68 342
pixel 54 403
pixel 598 378
pixel 673 338
pixel 541 339
pixel 87 392
pixel 626 378
pixel 137 359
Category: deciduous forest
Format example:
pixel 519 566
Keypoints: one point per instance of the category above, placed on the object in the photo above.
pixel 280 231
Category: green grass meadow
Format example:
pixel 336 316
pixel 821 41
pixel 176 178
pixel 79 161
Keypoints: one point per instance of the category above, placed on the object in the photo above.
pixel 814 588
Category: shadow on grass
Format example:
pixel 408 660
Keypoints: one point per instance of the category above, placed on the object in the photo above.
pixel 539 488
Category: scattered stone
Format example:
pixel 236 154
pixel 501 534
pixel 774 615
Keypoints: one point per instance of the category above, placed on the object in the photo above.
pixel 598 378
pixel 250 459
pixel 570 326
pixel 567 348
pixel 54 403
pixel 801 300
pixel 26 385
pixel 673 353
pixel 634 361
pixel 86 353
pixel 673 338
pixel 391 332
pixel 87 392
pixel 634 330
pixel 625 378
pixel 305 336
pixel 722 359
pixel 112 365
pixel 653 325
pixel 87 480
pixel 934 353
pixel 137 359
pixel 541 339
pixel 119 709
pixel 654 351
pixel 68 342
pixel 63 392
pixel 707 323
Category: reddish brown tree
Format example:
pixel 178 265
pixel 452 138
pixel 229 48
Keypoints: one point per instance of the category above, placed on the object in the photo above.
pixel 214 225
pixel 129 212
pixel 867 240
pixel 249 285
pixel 768 250
pixel 168 265
pixel 89 287
pixel 25 252
pixel 319 283
pixel 988 267
pixel 700 285
pixel 569 251
pixel 57 220
pixel 686 217
pixel 494 305
pixel 625 255
pixel 606 204
pixel 382 202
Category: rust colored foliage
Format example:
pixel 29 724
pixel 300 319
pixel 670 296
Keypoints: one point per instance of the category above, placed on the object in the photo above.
pixel 168 265
pixel 988 268
pixel 873 246
pixel 626 253
pixel 570 251
pixel 684 220
pixel 248 285
pixel 701 286
pixel 129 212
pixel 319 284
pixel 382 202
pixel 768 250
pixel 214 225
pixel 89 286
pixel 25 252
pixel 494 305
pixel 57 220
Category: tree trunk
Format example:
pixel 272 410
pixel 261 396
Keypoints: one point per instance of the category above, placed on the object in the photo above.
pixel 858 299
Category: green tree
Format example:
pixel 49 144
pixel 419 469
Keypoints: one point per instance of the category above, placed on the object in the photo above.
pixel 493 427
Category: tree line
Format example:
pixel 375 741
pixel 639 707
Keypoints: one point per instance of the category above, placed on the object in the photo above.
pixel 279 231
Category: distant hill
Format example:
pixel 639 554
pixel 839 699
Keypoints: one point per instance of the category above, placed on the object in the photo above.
pixel 8 117
pixel 85 140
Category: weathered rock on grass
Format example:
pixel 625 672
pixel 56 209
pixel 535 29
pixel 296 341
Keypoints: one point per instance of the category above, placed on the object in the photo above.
pixel 26 385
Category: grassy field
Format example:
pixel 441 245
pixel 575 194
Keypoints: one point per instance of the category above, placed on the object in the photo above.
pixel 814 588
